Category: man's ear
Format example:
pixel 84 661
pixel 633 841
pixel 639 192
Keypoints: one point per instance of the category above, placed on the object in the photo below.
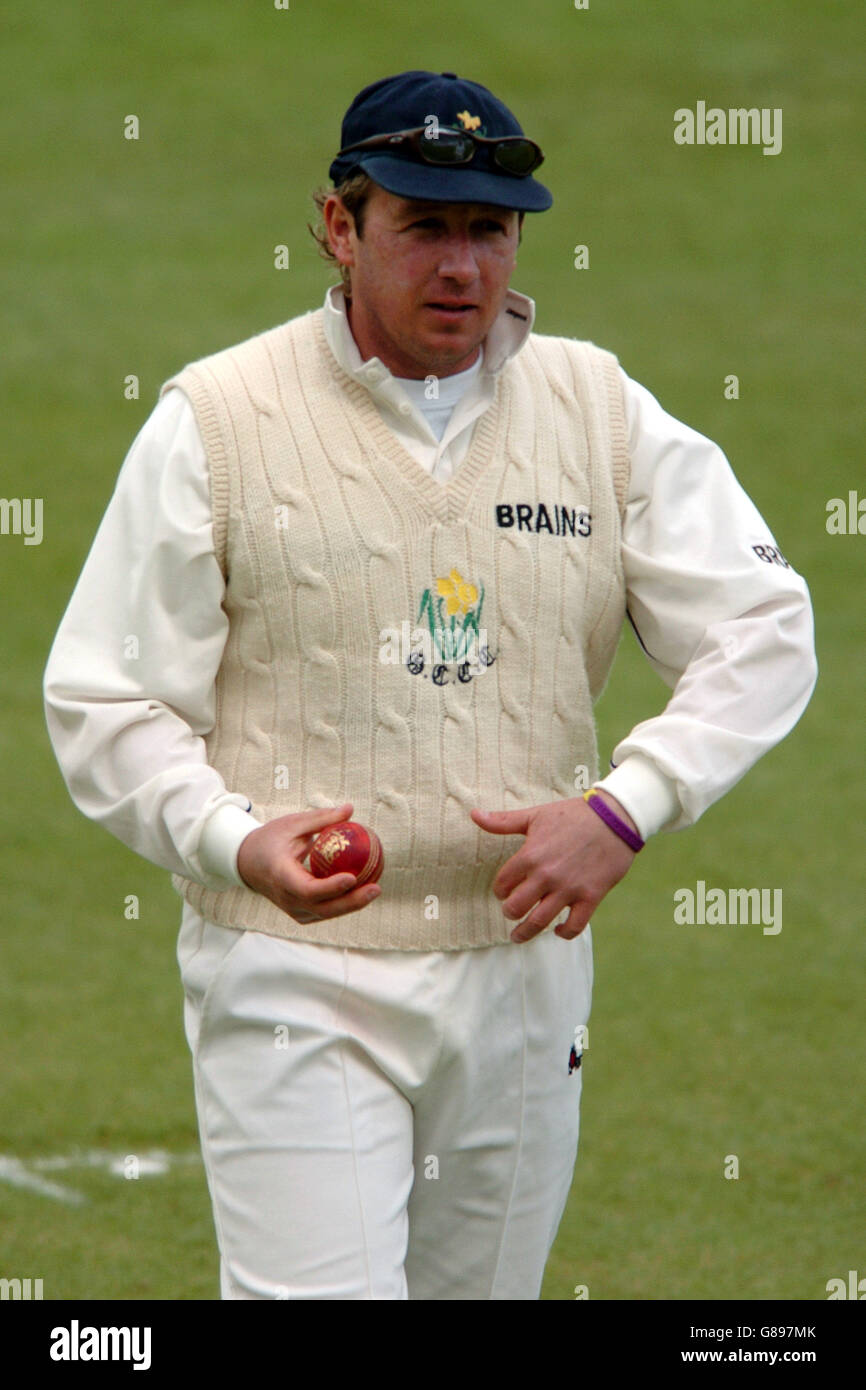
pixel 339 225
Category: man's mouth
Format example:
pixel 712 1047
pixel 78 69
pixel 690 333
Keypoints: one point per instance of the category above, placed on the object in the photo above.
pixel 454 309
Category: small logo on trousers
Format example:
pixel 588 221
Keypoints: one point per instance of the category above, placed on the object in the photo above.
pixel 578 1047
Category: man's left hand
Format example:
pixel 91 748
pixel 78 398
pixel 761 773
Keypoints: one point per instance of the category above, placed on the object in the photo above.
pixel 570 858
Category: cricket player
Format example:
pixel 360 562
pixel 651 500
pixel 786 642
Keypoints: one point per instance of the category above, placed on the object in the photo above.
pixel 374 562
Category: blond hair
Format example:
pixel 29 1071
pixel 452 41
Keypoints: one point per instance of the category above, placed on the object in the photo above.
pixel 353 193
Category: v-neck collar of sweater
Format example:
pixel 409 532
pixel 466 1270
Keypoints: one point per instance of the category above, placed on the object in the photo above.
pixel 447 501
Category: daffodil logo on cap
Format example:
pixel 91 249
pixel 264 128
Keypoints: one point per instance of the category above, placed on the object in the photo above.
pixel 469 122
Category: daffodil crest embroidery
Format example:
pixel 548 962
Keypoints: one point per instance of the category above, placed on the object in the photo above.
pixel 470 122
pixel 453 618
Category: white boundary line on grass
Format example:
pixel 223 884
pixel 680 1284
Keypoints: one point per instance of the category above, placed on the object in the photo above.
pixel 25 1173
pixel 14 1172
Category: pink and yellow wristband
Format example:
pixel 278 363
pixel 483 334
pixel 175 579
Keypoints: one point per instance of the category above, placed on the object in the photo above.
pixel 611 819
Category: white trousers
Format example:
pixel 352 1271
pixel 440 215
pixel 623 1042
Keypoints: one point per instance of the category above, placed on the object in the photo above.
pixel 384 1124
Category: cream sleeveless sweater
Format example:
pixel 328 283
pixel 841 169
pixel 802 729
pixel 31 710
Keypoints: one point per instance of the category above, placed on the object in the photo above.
pixel 412 647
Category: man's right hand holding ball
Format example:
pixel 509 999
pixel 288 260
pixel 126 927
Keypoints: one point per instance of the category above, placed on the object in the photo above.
pixel 270 861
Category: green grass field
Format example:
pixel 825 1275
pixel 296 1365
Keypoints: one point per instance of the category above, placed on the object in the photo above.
pixel 122 257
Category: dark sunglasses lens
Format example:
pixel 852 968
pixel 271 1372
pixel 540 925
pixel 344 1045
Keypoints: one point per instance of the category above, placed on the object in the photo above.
pixel 518 158
pixel 449 147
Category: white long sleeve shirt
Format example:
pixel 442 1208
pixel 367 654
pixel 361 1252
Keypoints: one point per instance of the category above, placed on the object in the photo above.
pixel 129 684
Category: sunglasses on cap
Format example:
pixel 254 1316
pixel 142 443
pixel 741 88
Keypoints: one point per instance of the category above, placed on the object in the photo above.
pixel 513 154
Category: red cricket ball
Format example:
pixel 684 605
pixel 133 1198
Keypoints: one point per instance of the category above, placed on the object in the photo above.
pixel 347 848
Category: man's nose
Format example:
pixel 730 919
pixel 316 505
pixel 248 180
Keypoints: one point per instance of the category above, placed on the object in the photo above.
pixel 458 261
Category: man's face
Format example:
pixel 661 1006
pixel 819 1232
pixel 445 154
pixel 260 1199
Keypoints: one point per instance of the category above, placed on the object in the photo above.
pixel 428 279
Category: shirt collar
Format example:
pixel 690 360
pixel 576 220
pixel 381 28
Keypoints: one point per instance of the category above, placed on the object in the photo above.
pixel 506 337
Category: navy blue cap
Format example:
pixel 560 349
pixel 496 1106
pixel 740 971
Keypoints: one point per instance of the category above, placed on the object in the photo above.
pixel 407 101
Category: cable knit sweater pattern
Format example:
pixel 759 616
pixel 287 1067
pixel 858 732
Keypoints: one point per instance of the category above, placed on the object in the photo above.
pixel 412 647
